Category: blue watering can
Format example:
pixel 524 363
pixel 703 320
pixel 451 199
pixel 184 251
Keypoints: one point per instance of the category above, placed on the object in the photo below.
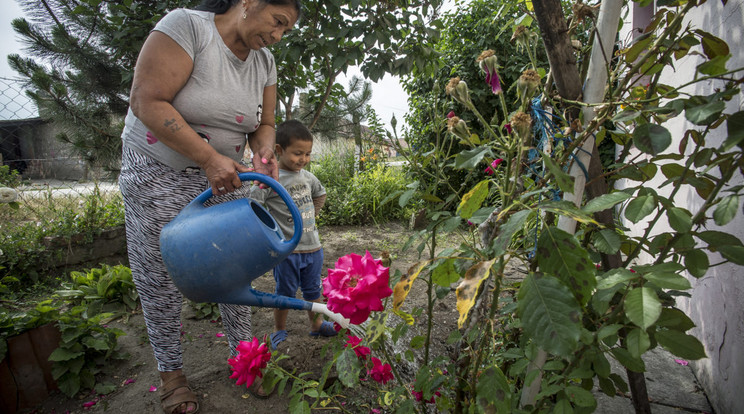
pixel 214 253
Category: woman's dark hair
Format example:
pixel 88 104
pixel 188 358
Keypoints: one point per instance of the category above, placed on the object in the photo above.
pixel 221 6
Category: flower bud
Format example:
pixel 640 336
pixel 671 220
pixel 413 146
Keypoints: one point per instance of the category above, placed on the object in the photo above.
pixel 458 90
pixel 489 63
pixel 458 127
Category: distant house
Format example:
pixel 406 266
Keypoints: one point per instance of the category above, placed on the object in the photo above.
pixel 29 146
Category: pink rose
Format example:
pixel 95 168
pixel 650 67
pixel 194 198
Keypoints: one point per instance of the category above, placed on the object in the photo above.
pixel 252 358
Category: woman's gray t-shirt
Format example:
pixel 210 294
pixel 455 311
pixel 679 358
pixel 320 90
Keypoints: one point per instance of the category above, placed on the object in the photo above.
pixel 222 99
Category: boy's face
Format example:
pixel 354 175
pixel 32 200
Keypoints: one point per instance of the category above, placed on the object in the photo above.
pixel 296 156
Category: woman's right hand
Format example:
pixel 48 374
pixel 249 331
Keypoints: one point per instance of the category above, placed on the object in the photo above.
pixel 222 173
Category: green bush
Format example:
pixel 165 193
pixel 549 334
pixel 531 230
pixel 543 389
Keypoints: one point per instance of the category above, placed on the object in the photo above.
pixel 23 253
pixel 9 177
pixel 369 196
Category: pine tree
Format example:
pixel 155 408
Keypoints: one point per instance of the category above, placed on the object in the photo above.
pixel 82 55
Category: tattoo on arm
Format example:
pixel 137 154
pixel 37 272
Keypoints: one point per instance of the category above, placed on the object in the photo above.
pixel 171 123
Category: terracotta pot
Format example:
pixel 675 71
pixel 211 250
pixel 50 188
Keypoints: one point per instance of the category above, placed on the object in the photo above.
pixel 26 372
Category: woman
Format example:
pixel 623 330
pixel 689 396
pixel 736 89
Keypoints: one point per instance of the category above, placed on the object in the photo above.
pixel 204 87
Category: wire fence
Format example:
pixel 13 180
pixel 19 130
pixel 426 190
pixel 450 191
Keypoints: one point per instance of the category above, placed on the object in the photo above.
pixel 32 159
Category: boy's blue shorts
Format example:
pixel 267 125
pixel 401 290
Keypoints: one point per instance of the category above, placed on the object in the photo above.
pixel 300 270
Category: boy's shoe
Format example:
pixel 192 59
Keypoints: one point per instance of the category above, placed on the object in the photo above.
pixel 277 338
pixel 326 329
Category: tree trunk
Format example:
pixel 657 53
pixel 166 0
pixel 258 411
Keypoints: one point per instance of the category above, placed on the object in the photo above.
pixel 565 72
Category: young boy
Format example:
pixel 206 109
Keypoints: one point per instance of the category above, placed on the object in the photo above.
pixel 302 268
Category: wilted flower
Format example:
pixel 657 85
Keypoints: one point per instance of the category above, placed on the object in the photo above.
pixel 489 64
pixel 252 358
pixel 508 128
pixel 380 372
pixel 360 351
pixel 527 86
pixel 584 11
pixel 458 127
pixel 451 114
pixel 357 286
pixel 522 36
pixel 521 122
pixel 458 90
pixel 8 195
pixel 495 163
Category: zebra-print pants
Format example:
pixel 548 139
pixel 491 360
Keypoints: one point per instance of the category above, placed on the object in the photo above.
pixel 153 195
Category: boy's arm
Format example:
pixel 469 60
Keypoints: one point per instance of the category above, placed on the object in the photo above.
pixel 318 203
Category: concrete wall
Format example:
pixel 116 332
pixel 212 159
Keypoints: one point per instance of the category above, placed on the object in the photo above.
pixel 717 302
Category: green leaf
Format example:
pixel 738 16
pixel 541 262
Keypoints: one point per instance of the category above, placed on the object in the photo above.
pixel 626 115
pixel 569 209
pixel 63 354
pixel 726 209
pixel 651 138
pixel 628 361
pixel 642 307
pixel 445 273
pixel 639 208
pixel 565 181
pixel 713 46
pixel 580 396
pixel 735 254
pixel 680 344
pixel 735 129
pixel 560 254
pixel 563 406
pixel 70 385
pixel 716 239
pixel 608 330
pixel 705 114
pixel 549 313
pixel 680 219
pixel 470 158
pixel 666 280
pixel 515 223
pixel 715 66
pixel 637 342
pixel 614 277
pixel 348 368
pixel 697 262
pixel 675 318
pixel 473 199
pixel 606 241
pixel 605 201
pixel 494 393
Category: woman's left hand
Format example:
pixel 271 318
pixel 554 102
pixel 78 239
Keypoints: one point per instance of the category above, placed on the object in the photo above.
pixel 264 162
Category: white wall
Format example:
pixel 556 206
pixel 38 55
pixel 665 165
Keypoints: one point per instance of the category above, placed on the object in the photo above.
pixel 717 302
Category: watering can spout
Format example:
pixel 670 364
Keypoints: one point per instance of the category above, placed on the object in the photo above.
pixel 213 254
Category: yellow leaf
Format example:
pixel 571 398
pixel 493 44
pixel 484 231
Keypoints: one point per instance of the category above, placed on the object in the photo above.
pixel 469 287
pixel 407 317
pixel 401 289
pixel 529 5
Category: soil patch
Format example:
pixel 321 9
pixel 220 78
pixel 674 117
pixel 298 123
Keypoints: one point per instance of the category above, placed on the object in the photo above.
pixel 206 351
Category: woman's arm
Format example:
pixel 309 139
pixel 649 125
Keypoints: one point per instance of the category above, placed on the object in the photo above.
pixel 263 139
pixel 162 69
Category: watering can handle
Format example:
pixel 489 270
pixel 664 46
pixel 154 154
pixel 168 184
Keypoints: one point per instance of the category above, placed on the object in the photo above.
pixel 296 217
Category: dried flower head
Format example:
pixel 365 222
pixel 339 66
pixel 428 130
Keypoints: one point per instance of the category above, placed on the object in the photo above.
pixel 458 127
pixel 584 11
pixel 527 85
pixel 521 123
pixel 458 90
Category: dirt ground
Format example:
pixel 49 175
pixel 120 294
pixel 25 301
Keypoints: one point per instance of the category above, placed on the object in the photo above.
pixel 206 352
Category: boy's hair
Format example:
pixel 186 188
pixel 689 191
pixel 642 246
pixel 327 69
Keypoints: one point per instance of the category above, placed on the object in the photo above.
pixel 292 129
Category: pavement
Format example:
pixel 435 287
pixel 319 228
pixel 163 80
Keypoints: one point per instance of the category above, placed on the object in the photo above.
pixel 671 384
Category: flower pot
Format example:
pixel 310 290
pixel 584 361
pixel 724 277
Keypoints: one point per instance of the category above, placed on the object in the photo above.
pixel 26 372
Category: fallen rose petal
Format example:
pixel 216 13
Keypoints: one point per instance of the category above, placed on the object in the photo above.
pixel 89 404
pixel 129 381
pixel 153 388
pixel 219 334
pixel 375 410
pixel 681 362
